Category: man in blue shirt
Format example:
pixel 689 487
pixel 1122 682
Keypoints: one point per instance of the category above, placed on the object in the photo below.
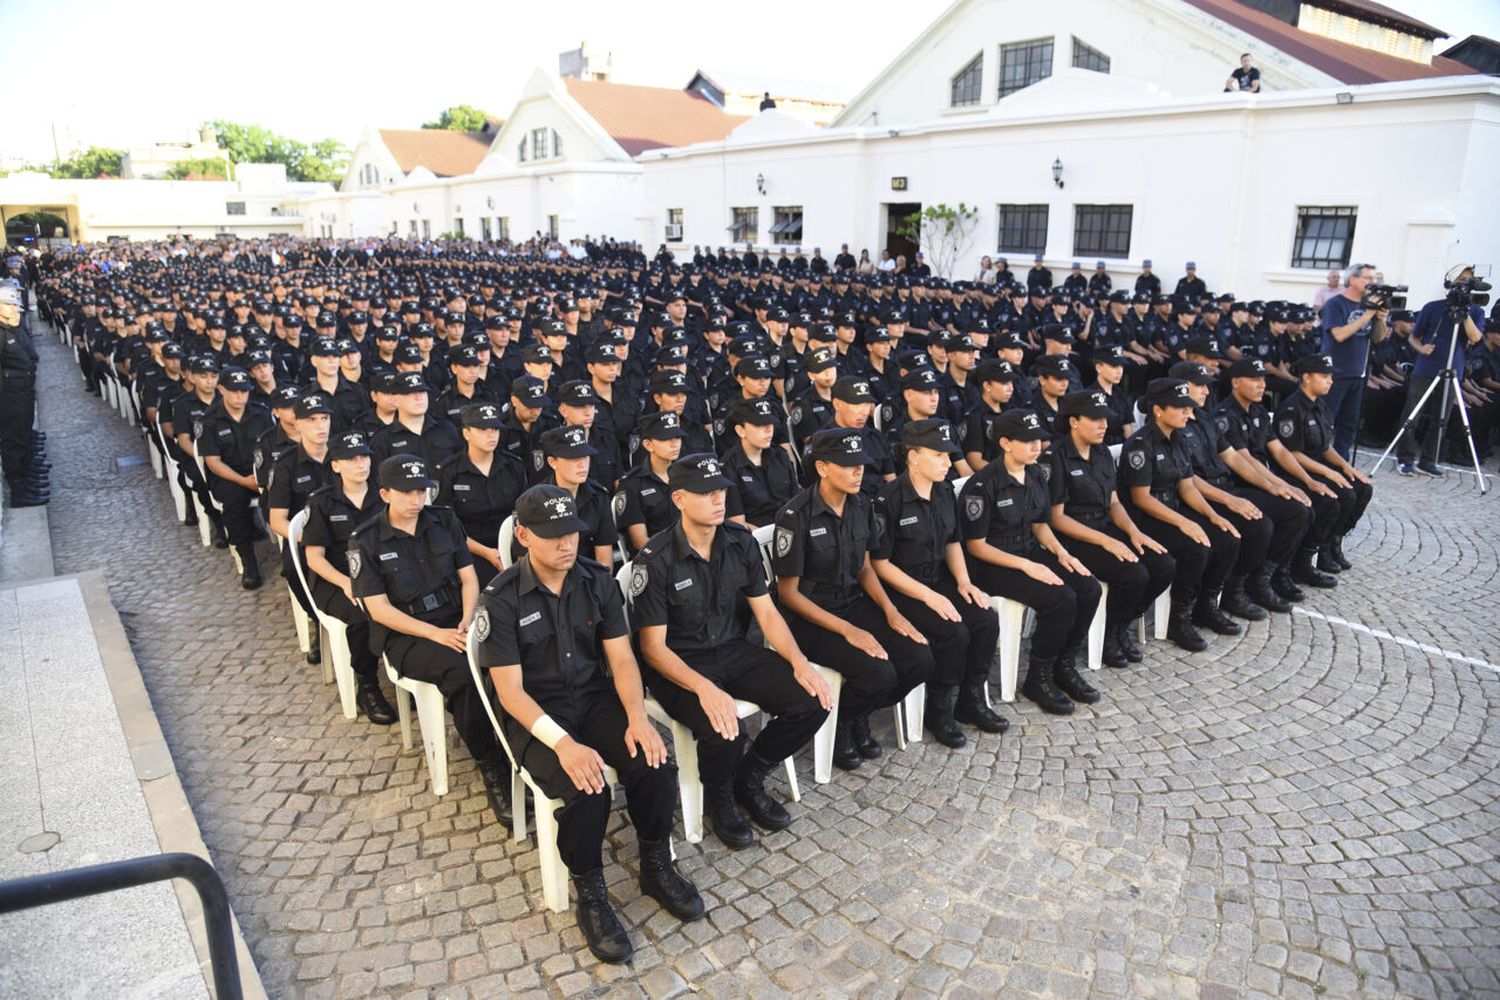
pixel 1348 330
pixel 1432 339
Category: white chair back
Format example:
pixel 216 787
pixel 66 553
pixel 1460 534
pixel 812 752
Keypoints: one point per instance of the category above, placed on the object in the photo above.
pixel 507 536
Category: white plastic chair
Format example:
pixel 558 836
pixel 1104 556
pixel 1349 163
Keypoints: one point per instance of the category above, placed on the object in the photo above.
pixel 430 720
pixel 1012 623
pixel 507 536
pixel 1114 451
pixel 211 509
pixel 338 661
pixel 179 500
pixel 1161 611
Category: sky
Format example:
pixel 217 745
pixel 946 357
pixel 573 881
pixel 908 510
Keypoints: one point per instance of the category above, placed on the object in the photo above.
pixel 116 74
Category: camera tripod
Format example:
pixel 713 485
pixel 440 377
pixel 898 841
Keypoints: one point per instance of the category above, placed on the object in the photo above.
pixel 1448 379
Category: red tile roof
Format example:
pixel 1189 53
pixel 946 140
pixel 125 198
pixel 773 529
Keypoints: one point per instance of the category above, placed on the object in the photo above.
pixel 1340 60
pixel 642 118
pixel 446 153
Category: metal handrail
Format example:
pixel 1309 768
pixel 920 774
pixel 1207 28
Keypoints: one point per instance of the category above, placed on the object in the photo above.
pixel 76 883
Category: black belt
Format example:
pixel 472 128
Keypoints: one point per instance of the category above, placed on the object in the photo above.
pixel 429 603
pixel 1168 497
pixel 1089 518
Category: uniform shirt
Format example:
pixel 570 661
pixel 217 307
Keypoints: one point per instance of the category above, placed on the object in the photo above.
pixel 702 602
pixel 437 442
pixel 1245 429
pixel 979 432
pixel 1204 443
pixel 1152 459
pixel 1084 486
pixel 643 499
pixel 1302 424
pixel 450 403
pixel 233 441
pixel 187 414
pixel 595 510
pixel 758 491
pixel 555 638
pixel 417 573
pixel 810 414
pixel 270 446
pixel 915 533
pixel 824 550
pixel 1002 511
pixel 527 445
pixel 332 517
pixel 1121 412
pixel 293 479
pixel 481 501
pixel 349 403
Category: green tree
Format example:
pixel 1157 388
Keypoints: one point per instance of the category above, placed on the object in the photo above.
pixel 323 160
pixel 92 162
pixel 460 118
pixel 945 234
pixel 201 170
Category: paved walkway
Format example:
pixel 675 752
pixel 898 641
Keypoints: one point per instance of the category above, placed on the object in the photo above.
pixel 1309 811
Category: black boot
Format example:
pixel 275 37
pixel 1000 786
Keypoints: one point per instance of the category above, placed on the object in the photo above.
pixel 859 734
pixel 1128 645
pixel 1206 614
pixel 1336 549
pixel 1065 672
pixel 596 918
pixel 191 520
pixel 1180 628
pixel 725 818
pixel 1303 571
pixel 938 720
pixel 845 757
pixel 314 642
pixel 1114 652
pixel 1285 587
pixel 662 882
pixel 1326 562
pixel 1238 603
pixel 1040 687
pixel 494 769
pixel 249 567
pixel 21 499
pixel 1260 590
pixel 372 703
pixel 750 793
pixel 973 710
pixel 216 531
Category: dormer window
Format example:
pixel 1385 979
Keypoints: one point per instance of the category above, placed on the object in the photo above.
pixel 965 85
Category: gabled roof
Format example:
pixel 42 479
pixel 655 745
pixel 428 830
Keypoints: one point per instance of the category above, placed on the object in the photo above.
pixel 1477 51
pixel 1379 13
pixel 1340 60
pixel 642 118
pixel 446 153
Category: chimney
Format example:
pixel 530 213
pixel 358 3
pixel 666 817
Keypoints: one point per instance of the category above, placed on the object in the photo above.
pixel 585 63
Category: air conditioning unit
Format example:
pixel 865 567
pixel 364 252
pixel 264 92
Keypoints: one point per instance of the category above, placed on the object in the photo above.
pixel 674 231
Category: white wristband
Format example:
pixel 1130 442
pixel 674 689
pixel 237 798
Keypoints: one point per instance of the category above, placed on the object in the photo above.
pixel 548 731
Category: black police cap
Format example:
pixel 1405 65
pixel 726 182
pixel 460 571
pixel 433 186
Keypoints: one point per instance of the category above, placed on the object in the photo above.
pixel 840 446
pixel 549 512
pixel 697 473
pixel 1020 425
pixel 1085 403
pixel 932 432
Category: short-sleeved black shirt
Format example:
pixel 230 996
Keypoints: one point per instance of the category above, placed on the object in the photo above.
pixel 417 573
pixel 758 491
pixel 979 432
pixel 481 501
pixel 824 550
pixel 701 602
pixel 915 533
pixel 1152 459
pixel 1204 443
pixel 332 517
pixel 293 479
pixel 556 639
pixel 1084 486
pixel 233 441
pixel 1245 429
pixel 1302 424
pixel 437 442
pixel 1001 511
pixel 644 499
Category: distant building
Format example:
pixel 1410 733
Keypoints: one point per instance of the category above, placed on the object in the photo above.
pixel 155 161
pixel 743 93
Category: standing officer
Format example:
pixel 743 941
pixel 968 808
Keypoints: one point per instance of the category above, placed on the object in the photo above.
pixel 552 633
pixel 481 484
pixel 333 513
pixel 839 612
pixel 694 587
pixel 411 570
pixel 226 443
pixel 19 441
pixel 920 558
pixel 1006 506
pixel 1088 512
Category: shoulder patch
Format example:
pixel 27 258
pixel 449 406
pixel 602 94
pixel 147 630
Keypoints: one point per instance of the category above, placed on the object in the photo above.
pixel 1223 423
pixel 974 507
pixel 482 623
pixel 1137 459
pixel 1287 427
pixel 1045 470
pixel 639 577
pixel 617 505
pixel 354 562
pixel 783 541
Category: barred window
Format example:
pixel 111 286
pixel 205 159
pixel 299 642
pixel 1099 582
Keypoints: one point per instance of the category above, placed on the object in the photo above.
pixel 1024 63
pixel 745 226
pixel 1102 230
pixel 965 88
pixel 1325 237
pixel 1023 229
pixel 786 224
pixel 1088 57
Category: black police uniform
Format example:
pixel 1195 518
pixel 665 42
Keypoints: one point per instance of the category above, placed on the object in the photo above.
pixel 18 361
pixel 1205 443
pixel 914 535
pixel 825 551
pixel 435 443
pixel 758 492
pixel 418 574
pixel 704 605
pixel 979 432
pixel 645 499
pixel 1303 425
pixel 332 517
pixel 556 639
pixel 233 442
pixel 292 480
pixel 1084 486
pixel 595 509
pixel 481 500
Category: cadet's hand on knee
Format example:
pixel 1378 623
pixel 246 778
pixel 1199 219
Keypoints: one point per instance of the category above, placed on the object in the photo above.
pixel 721 710
pixel 813 683
pixel 944 607
pixel 865 643
pixel 642 735
pixel 450 637
pixel 584 767
pixel 898 623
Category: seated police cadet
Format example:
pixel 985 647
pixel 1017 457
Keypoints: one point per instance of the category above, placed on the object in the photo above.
pixel 415 431
pixel 1247 428
pixel 1109 376
pixel 528 418
pixel 299 470
pixel 481 484
pixel 282 435
pixel 1162 497
pixel 567 453
pixel 1087 512
pixel 761 477
pixel 838 611
pixel 333 513
pixel 920 559
pixel 694 587
pixel 552 632
pixel 226 443
pixel 1305 430
pixel 853 403
pixel 1013 553
pixel 411 570
pixel 642 506
pixel 997 385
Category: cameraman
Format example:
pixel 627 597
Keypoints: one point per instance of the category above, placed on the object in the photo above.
pixel 1431 340
pixel 1349 327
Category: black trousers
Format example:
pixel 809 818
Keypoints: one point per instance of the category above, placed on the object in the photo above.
pixel 424 660
pixel 1255 534
pixel 1199 567
pixel 868 683
pixel 962 651
pixel 289 573
pixel 1337 518
pixel 1133 586
pixel 356 626
pixel 754 673
pixel 1288 521
pixel 238 517
pixel 650 792
pixel 17 416
pixel 1063 612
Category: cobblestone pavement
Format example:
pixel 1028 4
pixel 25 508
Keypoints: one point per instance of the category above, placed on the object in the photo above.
pixel 1309 810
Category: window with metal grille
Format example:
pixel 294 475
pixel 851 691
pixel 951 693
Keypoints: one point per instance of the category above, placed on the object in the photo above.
pixel 426 229
pixel 552 227
pixel 556 144
pixel 745 227
pixel 485 231
pixel 1023 229
pixel 234 208
pixel 786 224
pixel 502 227
pixel 965 87
pixel 539 144
pixel 1087 57
pixel 1102 230
pixel 1024 63
pixel 1325 237
pixel 521 150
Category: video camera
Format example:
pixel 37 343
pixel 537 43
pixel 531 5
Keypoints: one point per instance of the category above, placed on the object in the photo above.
pixel 1468 292
pixel 1390 297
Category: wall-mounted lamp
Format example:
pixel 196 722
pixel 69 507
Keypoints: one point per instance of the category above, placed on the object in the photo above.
pixel 1057 173
pixel 760 183
pixel 1344 97
pixel 489 202
pixel 416 206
